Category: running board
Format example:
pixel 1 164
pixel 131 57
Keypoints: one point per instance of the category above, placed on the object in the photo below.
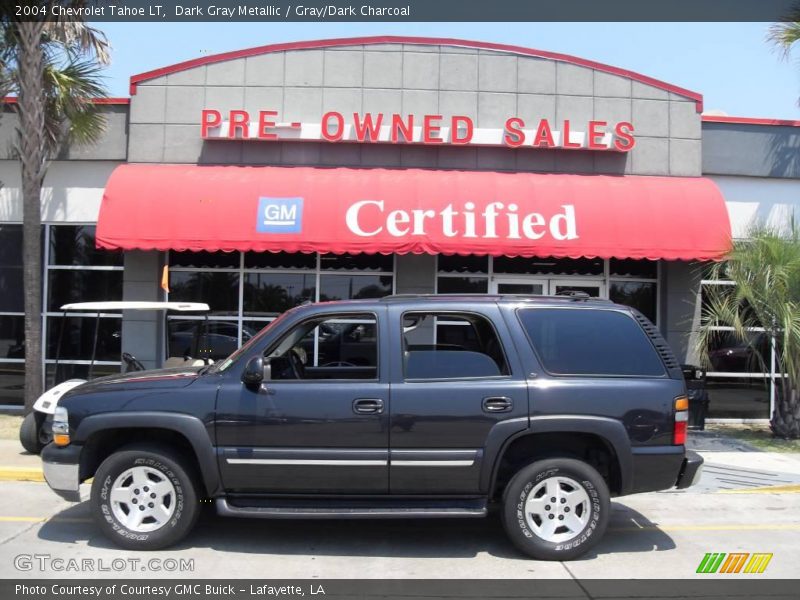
pixel 470 509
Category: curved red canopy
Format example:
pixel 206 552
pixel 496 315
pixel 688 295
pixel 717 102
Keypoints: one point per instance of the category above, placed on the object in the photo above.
pixel 305 209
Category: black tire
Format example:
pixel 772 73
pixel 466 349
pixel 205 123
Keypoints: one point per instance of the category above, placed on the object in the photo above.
pixel 29 434
pixel 524 536
pixel 173 469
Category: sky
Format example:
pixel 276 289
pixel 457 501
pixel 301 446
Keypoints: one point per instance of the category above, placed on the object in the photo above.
pixel 729 63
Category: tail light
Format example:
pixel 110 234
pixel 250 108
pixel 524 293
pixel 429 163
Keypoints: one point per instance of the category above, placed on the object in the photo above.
pixel 681 420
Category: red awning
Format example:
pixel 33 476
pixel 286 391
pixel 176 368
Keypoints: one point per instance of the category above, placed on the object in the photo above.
pixel 304 209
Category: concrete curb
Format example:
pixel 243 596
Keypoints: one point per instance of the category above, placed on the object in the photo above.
pixel 21 474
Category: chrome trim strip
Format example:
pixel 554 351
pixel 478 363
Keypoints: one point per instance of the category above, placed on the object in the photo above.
pixel 225 509
pixel 432 463
pixel 436 452
pixel 334 462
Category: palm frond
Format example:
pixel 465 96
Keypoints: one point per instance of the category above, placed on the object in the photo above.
pixel 77 37
pixel 783 35
pixel 71 114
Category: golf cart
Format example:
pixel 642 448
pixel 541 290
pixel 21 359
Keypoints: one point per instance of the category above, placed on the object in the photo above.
pixel 34 433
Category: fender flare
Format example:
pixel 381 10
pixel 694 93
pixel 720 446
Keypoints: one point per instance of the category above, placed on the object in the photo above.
pixel 190 427
pixel 610 430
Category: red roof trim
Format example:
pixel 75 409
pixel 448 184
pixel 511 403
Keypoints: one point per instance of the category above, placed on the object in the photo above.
pixel 13 100
pixel 398 39
pixel 750 121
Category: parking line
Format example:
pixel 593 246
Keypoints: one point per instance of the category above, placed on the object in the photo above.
pixel 770 489
pixel 21 474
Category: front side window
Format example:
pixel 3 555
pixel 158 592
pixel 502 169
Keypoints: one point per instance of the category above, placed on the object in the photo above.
pixel 330 347
pixel 590 342
pixel 451 346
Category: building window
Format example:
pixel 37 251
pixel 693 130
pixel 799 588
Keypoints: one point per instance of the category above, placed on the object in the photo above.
pixel 739 385
pixel 625 281
pixel 74 245
pixel 248 290
pixel 12 316
pixel 641 295
pixel 76 271
pixel 548 266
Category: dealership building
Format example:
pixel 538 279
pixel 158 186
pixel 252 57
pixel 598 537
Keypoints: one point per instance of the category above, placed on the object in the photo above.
pixel 352 168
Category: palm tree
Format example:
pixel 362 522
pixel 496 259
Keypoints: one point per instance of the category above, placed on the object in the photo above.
pixel 54 69
pixel 766 269
pixel 784 34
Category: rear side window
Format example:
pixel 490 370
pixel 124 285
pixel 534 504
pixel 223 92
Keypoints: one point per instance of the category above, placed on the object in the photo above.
pixel 590 342
pixel 451 346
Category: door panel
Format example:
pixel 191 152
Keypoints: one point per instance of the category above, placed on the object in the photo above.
pixel 295 436
pixel 302 437
pixel 439 427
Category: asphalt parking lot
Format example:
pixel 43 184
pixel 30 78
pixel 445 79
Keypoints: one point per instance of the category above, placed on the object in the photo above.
pixel 744 503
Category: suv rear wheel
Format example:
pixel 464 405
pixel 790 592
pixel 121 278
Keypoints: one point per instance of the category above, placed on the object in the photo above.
pixel 143 498
pixel 556 509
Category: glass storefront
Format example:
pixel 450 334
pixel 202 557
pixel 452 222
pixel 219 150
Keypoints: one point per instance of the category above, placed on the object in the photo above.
pixel 630 282
pixel 74 271
pixel 738 379
pixel 246 291
pixel 12 316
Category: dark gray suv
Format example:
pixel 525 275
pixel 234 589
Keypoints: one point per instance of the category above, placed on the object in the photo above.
pixel 403 407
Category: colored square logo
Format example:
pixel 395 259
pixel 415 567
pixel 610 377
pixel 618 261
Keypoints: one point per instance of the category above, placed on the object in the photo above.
pixel 279 215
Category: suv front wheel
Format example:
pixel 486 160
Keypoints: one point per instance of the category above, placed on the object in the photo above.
pixel 556 509
pixel 143 498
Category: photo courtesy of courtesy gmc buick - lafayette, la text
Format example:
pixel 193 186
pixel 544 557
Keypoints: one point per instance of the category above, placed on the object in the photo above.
pixel 405 407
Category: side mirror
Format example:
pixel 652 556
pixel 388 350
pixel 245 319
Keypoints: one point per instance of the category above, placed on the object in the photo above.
pixel 256 371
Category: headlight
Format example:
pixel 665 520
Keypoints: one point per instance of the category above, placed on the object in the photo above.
pixel 61 426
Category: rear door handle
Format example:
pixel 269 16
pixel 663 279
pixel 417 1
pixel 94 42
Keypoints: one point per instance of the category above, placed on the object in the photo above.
pixel 368 406
pixel 497 404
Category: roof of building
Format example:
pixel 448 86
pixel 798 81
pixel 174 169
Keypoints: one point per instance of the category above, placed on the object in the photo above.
pixel 750 121
pixel 413 40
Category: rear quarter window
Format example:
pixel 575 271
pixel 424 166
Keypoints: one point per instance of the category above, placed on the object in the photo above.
pixel 590 342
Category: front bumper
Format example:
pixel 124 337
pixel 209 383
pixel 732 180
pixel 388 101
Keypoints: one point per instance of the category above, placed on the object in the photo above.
pixel 691 470
pixel 62 471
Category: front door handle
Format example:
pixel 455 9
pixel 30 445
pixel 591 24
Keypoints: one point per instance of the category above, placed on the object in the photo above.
pixel 497 404
pixel 368 406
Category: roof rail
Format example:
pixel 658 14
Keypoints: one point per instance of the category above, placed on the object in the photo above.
pixel 575 294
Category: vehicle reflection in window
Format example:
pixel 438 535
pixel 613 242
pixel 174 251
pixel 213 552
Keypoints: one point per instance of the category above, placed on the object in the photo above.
pixel 206 339
pixel 729 353
pixel 342 347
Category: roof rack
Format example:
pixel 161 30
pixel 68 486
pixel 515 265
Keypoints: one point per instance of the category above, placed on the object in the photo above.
pixel 568 295
pixel 574 294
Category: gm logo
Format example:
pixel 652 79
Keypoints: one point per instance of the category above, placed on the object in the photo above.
pixel 280 215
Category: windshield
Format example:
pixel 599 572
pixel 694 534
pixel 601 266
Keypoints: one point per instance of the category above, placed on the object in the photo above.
pixel 225 364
